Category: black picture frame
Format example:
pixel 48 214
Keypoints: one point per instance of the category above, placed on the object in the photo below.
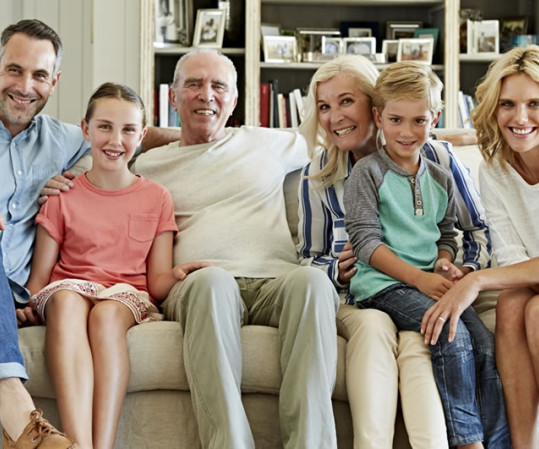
pixel 374 26
pixel 511 27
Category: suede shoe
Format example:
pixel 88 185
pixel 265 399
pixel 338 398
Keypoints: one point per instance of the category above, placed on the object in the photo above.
pixel 39 433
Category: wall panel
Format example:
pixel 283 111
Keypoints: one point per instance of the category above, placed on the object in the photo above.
pixel 101 43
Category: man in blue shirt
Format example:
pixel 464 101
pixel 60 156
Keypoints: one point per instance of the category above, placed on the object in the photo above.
pixel 32 149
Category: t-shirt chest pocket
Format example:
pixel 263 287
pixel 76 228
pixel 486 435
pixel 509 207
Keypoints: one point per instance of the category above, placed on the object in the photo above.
pixel 142 227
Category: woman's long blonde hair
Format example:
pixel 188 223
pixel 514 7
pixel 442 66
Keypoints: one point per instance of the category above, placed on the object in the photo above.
pixel 490 139
pixel 365 74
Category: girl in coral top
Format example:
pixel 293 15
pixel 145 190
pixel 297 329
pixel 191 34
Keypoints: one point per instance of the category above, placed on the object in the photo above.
pixel 102 262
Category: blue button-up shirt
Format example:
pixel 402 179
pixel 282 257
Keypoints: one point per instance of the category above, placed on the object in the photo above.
pixel 46 148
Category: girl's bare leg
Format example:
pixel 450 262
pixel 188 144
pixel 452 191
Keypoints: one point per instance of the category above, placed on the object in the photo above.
pixel 70 365
pixel 107 327
pixel 516 367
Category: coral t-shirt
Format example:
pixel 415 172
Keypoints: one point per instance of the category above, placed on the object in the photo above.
pixel 105 236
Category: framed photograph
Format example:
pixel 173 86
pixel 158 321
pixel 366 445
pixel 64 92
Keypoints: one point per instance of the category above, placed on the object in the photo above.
pixel 310 42
pixel 390 47
pixel 511 27
pixel 280 49
pixel 360 28
pixel 331 46
pixel 466 15
pixel 425 33
pixel 415 49
pixel 365 46
pixel 359 32
pixel 524 40
pixel 402 30
pixel 470 36
pixel 486 37
pixel 209 28
pixel 270 29
pixel 173 21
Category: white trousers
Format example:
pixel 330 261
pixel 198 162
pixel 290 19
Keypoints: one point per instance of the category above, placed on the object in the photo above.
pixel 380 363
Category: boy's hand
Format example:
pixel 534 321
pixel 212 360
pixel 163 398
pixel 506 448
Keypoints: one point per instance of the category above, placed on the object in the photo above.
pixel 1 223
pixel 181 271
pixel 448 270
pixel 433 285
pixel 27 317
pixel 346 264
pixel 56 185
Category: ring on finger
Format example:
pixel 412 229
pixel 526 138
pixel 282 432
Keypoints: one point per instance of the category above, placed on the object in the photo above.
pixel 441 319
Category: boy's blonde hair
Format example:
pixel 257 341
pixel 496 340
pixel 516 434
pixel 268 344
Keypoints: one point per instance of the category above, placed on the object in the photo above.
pixel 364 73
pixel 484 117
pixel 408 79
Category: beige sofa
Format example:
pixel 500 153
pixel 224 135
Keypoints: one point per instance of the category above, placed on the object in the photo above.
pixel 157 412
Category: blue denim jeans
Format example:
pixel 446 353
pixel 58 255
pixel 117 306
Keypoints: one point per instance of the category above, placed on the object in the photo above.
pixel 464 370
pixel 11 362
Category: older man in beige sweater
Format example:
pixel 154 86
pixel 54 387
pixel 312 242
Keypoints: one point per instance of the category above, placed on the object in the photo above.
pixel 229 206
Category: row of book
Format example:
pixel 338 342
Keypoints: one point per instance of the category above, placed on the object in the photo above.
pixel 466 103
pixel 164 114
pixel 280 110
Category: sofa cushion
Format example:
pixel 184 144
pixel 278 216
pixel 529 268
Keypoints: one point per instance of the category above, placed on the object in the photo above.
pixel 156 357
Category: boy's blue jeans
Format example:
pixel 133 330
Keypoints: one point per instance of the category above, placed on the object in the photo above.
pixel 11 362
pixel 464 370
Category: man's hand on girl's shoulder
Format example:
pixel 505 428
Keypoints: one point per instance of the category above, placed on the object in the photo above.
pixel 55 185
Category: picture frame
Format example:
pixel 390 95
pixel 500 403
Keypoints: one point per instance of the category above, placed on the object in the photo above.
pixel 332 46
pixel 173 22
pixel 425 33
pixel 390 47
pixel 416 49
pixel 511 27
pixel 270 29
pixel 470 36
pixel 402 30
pixel 465 15
pixel 365 46
pixel 524 40
pixel 358 29
pixel 309 42
pixel 359 32
pixel 209 28
pixel 486 37
pixel 280 49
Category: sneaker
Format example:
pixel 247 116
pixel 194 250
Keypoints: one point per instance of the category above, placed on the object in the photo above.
pixel 39 433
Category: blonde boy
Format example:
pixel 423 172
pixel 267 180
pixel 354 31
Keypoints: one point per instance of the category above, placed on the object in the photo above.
pixel 400 218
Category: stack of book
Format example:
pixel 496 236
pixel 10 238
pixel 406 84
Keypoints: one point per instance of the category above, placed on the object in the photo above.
pixel 466 104
pixel 165 115
pixel 280 110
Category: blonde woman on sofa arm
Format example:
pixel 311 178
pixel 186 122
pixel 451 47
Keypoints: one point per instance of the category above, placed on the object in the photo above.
pixel 506 120
pixel 380 361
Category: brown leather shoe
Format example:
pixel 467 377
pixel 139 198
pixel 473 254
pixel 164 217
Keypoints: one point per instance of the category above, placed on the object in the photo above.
pixel 39 434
